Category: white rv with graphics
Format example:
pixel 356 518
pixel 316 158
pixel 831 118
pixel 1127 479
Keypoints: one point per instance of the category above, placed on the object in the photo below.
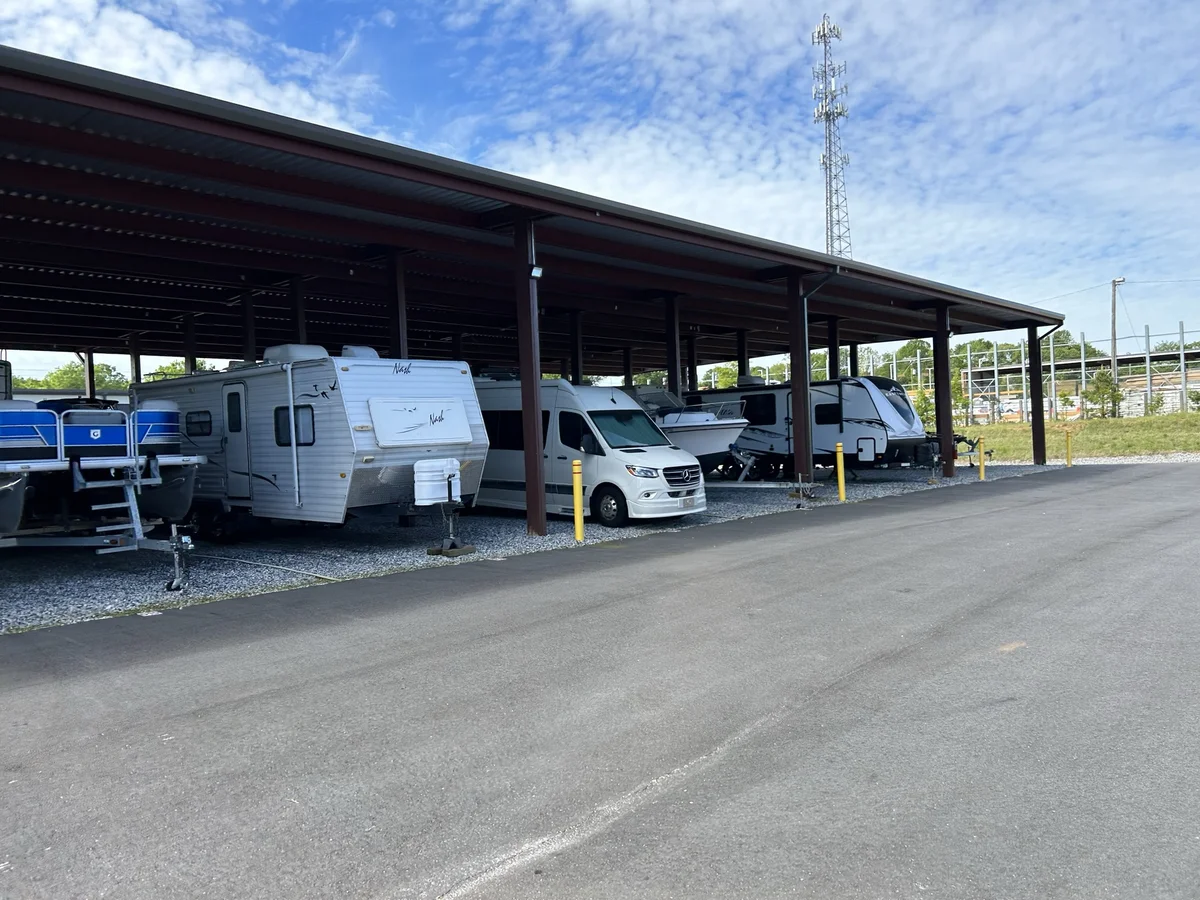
pixel 871 417
pixel 312 437
pixel 631 470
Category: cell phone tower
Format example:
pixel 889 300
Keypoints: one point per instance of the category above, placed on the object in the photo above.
pixel 830 111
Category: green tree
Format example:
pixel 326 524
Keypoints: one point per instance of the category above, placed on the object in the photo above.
pixel 656 378
pixel 69 377
pixel 925 409
pixel 1155 404
pixel 816 365
pixel 1194 399
pixel 727 375
pixel 1103 393
pixel 870 360
pixel 906 361
pixel 175 368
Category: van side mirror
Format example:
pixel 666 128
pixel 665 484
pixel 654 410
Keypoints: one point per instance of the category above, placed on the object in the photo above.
pixel 589 444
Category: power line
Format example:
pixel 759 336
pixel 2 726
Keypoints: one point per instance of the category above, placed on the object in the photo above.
pixel 1172 281
pixel 1072 293
pixel 1125 306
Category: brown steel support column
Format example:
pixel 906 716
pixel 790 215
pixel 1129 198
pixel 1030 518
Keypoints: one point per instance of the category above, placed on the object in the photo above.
pixel 530 366
pixel 397 308
pixel 943 410
pixel 693 373
pixel 834 348
pixel 135 358
pixel 299 317
pixel 89 373
pixel 854 360
pixel 249 338
pixel 671 331
pixel 456 346
pixel 1037 414
pixel 627 365
pixel 564 369
pixel 189 343
pixel 576 347
pixel 743 353
pixel 797 304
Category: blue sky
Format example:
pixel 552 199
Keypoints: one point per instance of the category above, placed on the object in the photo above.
pixel 1027 150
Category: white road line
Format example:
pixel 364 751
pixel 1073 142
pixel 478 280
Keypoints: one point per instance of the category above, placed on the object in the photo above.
pixel 600 817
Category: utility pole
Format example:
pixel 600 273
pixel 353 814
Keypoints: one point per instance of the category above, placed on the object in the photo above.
pixel 1115 282
pixel 829 111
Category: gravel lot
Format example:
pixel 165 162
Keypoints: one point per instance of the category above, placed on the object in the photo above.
pixel 53 587
pixel 1124 460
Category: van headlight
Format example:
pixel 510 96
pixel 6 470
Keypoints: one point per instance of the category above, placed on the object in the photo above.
pixel 642 471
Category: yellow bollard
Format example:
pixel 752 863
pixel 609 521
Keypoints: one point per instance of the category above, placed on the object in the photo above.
pixel 1068 448
pixel 982 458
pixel 577 486
pixel 841 473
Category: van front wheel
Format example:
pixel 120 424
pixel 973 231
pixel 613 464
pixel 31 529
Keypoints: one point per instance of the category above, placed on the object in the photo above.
pixel 608 505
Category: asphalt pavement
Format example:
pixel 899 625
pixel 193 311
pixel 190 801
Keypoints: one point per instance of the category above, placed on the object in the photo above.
pixel 987 691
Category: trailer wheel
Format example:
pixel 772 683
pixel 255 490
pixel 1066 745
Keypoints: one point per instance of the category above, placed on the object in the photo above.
pixel 609 506
pixel 219 527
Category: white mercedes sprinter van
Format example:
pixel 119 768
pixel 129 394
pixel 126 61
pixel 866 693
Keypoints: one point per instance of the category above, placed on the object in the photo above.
pixel 631 470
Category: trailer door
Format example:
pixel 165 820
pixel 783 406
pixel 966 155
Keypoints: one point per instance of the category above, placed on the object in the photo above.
pixel 235 442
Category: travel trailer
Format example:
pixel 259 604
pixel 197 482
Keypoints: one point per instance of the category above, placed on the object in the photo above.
pixel 705 430
pixel 306 436
pixel 85 472
pixel 871 417
pixel 631 470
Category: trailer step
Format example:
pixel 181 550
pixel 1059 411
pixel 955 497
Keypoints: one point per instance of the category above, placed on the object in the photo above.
pixel 124 504
pixel 124 526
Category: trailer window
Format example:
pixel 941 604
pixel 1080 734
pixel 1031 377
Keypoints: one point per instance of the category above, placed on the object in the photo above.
pixel 760 409
pixel 305 427
pixel 828 413
pixel 233 412
pixel 505 428
pixel 198 423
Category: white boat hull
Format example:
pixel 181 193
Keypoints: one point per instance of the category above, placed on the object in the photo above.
pixel 707 441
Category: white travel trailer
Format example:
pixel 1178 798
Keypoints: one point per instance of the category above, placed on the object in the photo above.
pixel 311 437
pixel 871 417
pixel 631 470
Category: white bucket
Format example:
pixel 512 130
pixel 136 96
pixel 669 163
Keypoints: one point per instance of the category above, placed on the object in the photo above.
pixel 430 477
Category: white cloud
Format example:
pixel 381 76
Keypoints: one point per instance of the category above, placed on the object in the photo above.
pixel 1019 149
pixel 194 45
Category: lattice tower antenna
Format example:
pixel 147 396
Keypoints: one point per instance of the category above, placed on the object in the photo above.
pixel 828 89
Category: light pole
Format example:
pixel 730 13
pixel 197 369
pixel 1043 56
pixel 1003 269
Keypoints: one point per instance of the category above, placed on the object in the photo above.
pixel 1115 282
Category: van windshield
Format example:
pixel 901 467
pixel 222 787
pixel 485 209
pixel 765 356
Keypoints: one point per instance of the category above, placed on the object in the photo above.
pixel 624 428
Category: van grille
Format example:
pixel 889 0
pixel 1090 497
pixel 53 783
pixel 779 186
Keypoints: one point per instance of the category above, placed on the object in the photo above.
pixel 682 476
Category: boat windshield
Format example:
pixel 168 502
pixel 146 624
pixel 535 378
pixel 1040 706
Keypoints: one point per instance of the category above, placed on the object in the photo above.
pixel 624 428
